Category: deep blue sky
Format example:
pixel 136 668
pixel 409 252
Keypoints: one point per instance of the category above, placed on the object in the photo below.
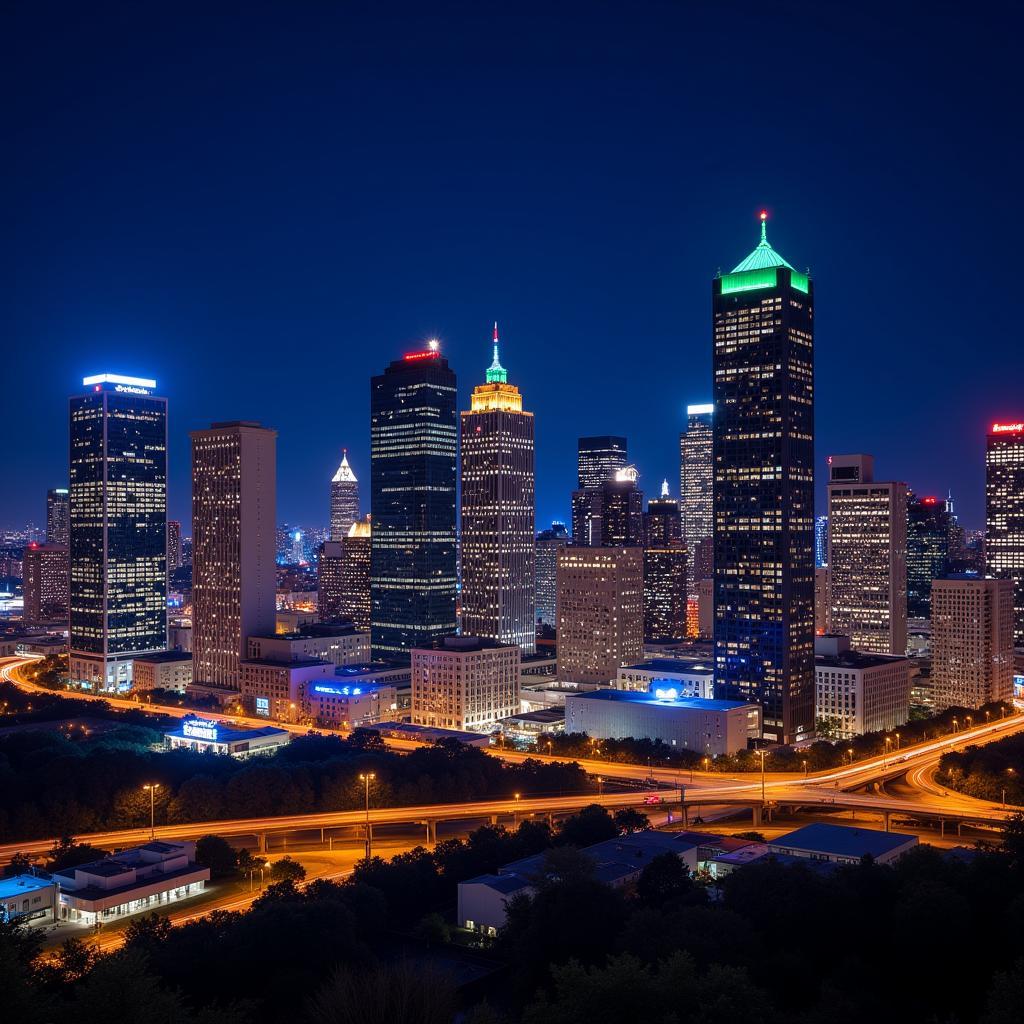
pixel 262 208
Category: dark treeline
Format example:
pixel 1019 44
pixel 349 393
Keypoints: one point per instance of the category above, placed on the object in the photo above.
pixel 52 784
pixel 819 756
pixel 992 772
pixel 776 943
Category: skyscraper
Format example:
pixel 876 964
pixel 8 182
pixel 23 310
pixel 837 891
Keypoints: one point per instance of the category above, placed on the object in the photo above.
pixel 695 487
pixel 549 542
pixel 662 523
pixel 622 510
pixel 344 499
pixel 665 560
pixel 928 555
pixel 600 458
pixel 498 513
pixel 234 480
pixel 764 489
pixel 57 516
pixel 117 516
pixel 45 570
pixel 413 443
pixel 867 556
pixel 173 545
pixel 1004 512
pixel 343 574
pixel 820 541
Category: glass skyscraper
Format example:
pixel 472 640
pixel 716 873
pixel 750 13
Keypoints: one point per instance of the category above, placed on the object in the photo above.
pixel 928 555
pixel 498 507
pixel 695 484
pixel 764 490
pixel 413 445
pixel 599 458
pixel 1004 512
pixel 117 536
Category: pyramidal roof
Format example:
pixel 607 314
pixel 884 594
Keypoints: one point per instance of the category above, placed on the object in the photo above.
pixel 496 373
pixel 344 473
pixel 763 256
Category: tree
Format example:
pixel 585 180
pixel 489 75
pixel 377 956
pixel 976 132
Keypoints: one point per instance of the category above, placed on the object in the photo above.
pixel 432 930
pixel 630 820
pixel 591 825
pixel 665 878
pixel 218 855
pixel 287 870
pixel 66 853
pixel 147 932
pixel 390 994
pixel 21 864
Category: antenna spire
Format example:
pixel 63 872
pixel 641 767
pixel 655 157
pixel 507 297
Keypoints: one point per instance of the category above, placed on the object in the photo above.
pixel 496 373
pixel 764 229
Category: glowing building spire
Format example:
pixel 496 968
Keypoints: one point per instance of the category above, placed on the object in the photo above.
pixel 496 373
pixel 664 488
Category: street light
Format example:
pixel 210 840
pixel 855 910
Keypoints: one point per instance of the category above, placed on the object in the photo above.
pixel 600 785
pixel 366 780
pixel 152 787
pixel 897 741
pixel 804 763
pixel 956 725
pixel 762 752
pixel 515 813
pixel 850 753
pixel 1009 771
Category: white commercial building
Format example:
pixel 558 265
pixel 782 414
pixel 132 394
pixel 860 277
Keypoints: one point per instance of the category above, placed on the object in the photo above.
pixel 28 898
pixel 464 682
pixel 669 677
pixel 202 734
pixel 143 878
pixel 164 670
pixel 277 689
pixel 857 693
pixel 343 705
pixel 709 727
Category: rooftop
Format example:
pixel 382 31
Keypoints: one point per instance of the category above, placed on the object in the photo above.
pixel 227 734
pixel 159 657
pixel 344 474
pixel 763 256
pixel 368 668
pixel 311 631
pixel 856 659
pixel 844 840
pixel 635 697
pixel 289 664
pixel 463 644
pixel 682 666
pixel 18 885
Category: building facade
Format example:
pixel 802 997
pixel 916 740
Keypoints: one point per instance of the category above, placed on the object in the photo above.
pixel 164 670
pixel 337 643
pixel 867 556
pixel 234 479
pixel 972 641
pixel 498 511
pixel 599 459
pixel 1004 512
pixel 696 480
pixel 344 499
pixel 174 561
pixel 465 682
pixel 764 490
pixel 45 584
pixel 820 541
pixel 546 547
pixel 600 612
pixel 57 512
pixel 117 515
pixel 928 553
pixel 413 443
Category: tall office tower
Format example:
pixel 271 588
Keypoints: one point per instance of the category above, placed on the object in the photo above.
pixel 764 490
pixel 57 516
pixel 45 569
pixel 822 601
pixel 600 612
pixel 820 541
pixel 413 446
pixel 928 554
pixel 330 581
pixel 695 486
pixel 355 574
pixel 867 556
pixel 600 458
pixel 972 641
pixel 498 513
pixel 117 528
pixel 173 545
pixel 587 516
pixel 1004 512
pixel 663 526
pixel 549 542
pixel 344 499
pixel 234 582
pixel 622 510
pixel 465 682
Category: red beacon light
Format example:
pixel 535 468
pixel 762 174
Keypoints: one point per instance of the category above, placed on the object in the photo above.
pixel 929 501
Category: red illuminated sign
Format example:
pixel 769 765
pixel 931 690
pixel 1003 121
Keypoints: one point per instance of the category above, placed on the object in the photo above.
pixel 421 355
pixel 1008 428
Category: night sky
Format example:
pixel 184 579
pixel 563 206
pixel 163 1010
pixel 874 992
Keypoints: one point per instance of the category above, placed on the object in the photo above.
pixel 262 208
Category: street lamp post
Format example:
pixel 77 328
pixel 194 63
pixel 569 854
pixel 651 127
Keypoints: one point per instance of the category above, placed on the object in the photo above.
pixel 366 779
pixel 152 787
pixel 600 786
pixel 850 754
pixel 762 753
pixel 805 769
pixel 1009 771
pixel 515 813
pixel 897 741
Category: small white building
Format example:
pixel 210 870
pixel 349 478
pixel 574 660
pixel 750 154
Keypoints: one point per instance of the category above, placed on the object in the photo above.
pixel 709 727
pixel 28 898
pixel 163 670
pixel 202 734
pixel 140 879
pixel 669 677
pixel 857 693
pixel 464 682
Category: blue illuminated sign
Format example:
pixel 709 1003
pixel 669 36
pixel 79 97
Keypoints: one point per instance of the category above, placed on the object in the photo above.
pixel 198 729
pixel 339 691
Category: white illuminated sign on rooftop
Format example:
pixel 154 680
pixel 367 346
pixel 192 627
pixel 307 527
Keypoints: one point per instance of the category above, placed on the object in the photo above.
pixel 117 378
pixel 200 730
pixel 698 410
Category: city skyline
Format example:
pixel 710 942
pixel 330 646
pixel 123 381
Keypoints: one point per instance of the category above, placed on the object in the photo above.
pixel 284 285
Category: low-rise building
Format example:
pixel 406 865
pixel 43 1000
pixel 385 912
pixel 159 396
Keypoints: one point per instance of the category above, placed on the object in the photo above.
pixel 338 643
pixel 143 878
pixel 708 727
pixel 669 677
pixel 162 670
pixel 857 693
pixel 527 726
pixel 277 689
pixel 465 682
pixel 336 704
pixel 179 637
pixel 28 898
pixel 202 735
pixel 843 844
